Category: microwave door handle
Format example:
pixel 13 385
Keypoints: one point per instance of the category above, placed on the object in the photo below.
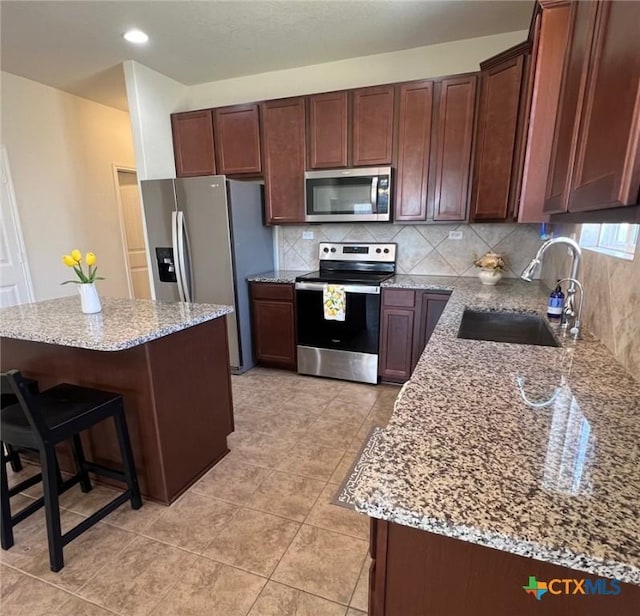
pixel 374 195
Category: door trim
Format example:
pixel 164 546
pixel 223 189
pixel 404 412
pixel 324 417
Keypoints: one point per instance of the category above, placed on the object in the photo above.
pixel 115 169
pixel 13 206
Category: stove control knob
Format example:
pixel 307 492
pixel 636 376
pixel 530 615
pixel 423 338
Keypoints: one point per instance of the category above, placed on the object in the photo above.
pixel 325 249
pixel 386 251
pixel 333 250
pixel 378 250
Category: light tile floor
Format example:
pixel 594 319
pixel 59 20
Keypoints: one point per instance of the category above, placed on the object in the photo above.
pixel 256 536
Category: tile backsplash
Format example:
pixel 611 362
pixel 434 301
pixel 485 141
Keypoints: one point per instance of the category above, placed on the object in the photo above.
pixel 422 249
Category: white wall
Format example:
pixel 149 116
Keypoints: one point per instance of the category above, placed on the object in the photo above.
pixel 417 63
pixel 61 149
pixel 152 97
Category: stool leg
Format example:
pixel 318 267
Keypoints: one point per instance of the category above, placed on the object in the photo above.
pixel 14 458
pixel 78 457
pixel 6 527
pixel 51 507
pixel 127 459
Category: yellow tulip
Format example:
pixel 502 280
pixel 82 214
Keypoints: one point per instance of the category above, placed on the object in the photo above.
pixel 69 261
pixel 90 258
pixel 76 255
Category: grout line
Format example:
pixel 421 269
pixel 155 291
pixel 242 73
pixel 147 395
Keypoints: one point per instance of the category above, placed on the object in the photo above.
pixel 364 560
pixel 313 594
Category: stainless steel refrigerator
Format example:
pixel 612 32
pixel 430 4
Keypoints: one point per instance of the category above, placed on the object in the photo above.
pixel 205 236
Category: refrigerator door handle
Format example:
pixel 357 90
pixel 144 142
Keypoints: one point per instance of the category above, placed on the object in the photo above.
pixel 176 253
pixel 183 239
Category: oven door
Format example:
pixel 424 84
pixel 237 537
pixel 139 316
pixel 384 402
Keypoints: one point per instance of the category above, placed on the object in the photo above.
pixel 340 349
pixel 353 195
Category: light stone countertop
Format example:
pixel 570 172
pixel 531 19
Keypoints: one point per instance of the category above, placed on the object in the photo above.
pixel 425 283
pixel 277 276
pixel 122 324
pixel 555 477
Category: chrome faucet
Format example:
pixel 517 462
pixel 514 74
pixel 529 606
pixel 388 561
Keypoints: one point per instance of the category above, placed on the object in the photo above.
pixel 568 310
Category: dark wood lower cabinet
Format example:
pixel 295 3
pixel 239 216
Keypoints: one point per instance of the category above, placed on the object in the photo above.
pixel 396 344
pixel 407 322
pixel 417 573
pixel 274 324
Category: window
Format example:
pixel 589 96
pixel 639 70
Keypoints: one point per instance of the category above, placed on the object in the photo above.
pixel 615 240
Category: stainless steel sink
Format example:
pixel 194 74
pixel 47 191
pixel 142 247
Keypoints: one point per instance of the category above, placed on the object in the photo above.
pixel 505 326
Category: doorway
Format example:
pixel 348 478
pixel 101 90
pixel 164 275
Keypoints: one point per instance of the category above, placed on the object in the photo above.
pixel 15 277
pixel 132 227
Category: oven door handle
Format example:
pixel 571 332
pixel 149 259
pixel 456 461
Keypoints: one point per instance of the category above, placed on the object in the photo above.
pixel 349 288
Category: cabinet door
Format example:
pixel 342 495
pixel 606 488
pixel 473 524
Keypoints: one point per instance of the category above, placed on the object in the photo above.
pixel 574 76
pixel 237 138
pixel 454 135
pixel 414 149
pixel 549 56
pixel 607 167
pixel 193 143
pixel 497 136
pixel 430 309
pixel 274 333
pixel 283 142
pixel 328 130
pixel 373 125
pixel 396 344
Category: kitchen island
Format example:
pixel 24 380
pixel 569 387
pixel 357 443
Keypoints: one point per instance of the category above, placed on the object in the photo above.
pixel 170 361
pixel 504 462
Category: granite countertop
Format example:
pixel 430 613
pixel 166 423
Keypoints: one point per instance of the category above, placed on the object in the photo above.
pixel 432 283
pixel 277 276
pixel 526 449
pixel 122 324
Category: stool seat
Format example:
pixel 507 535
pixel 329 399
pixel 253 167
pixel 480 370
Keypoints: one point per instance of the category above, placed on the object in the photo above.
pixel 60 406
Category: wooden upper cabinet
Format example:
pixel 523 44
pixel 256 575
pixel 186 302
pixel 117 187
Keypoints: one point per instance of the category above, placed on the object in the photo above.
pixel 373 125
pixel 237 139
pixel 328 121
pixel 498 135
pixel 549 44
pixel 453 139
pixel 193 143
pixel 414 150
pixel 574 77
pixel 606 171
pixel 283 145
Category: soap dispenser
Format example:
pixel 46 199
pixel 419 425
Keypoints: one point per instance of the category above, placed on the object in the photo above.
pixel 556 303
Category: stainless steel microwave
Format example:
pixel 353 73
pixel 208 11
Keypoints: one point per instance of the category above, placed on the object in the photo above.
pixel 348 195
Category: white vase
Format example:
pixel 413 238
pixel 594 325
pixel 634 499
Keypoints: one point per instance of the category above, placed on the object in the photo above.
pixel 490 277
pixel 89 298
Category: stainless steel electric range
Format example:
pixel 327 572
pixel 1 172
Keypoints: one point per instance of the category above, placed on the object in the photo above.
pixel 343 349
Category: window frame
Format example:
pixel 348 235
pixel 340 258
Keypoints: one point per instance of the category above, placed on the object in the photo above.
pixel 616 240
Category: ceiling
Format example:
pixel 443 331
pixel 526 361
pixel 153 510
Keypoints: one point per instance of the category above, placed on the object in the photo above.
pixel 76 45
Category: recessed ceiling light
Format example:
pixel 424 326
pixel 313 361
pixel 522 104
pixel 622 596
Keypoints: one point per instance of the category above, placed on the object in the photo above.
pixel 136 36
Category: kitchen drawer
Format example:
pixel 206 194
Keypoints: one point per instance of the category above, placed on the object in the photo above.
pixel 272 290
pixel 401 298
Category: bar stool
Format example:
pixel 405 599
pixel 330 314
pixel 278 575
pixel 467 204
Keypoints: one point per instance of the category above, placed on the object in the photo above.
pixel 7 398
pixel 11 456
pixel 41 421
